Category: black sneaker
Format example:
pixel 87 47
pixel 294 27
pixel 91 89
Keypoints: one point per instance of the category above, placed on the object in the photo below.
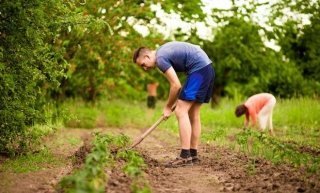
pixel 179 162
pixel 195 159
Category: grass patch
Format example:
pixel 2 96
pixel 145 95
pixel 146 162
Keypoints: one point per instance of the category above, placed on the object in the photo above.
pixel 298 120
pixel 82 116
pixel 74 141
pixel 31 162
pixel 116 113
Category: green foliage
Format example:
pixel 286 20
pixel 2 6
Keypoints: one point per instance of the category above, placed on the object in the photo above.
pixel 304 49
pixel 188 9
pixel 298 111
pixel 294 119
pixel 223 115
pixel 245 66
pixel 29 64
pixel 298 39
pixel 134 162
pixel 133 168
pixel 61 49
pixel 214 134
pixel 101 62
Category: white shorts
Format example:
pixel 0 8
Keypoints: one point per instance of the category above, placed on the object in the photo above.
pixel 265 114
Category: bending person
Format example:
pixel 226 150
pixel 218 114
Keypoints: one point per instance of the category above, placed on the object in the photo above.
pixel 175 57
pixel 259 106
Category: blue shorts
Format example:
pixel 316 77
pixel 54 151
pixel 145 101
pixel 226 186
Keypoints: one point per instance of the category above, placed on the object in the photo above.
pixel 199 85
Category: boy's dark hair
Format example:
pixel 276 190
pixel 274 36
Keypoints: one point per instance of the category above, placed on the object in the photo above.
pixel 240 110
pixel 137 53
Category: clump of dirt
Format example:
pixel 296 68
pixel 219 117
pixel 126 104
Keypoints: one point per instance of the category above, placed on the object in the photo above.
pixel 309 150
pixel 81 154
pixel 241 173
pixel 151 162
pixel 117 180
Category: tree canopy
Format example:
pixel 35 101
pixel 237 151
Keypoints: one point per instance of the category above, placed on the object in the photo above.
pixel 55 50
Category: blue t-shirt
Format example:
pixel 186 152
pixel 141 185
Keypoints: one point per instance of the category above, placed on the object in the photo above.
pixel 182 56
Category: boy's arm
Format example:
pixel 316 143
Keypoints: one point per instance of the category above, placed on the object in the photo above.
pixel 246 120
pixel 250 117
pixel 253 116
pixel 175 86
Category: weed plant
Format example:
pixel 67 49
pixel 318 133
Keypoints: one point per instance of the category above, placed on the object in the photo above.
pixel 262 145
pixel 91 178
pixel 133 168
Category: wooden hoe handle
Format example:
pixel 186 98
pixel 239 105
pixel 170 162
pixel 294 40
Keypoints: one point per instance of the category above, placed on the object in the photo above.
pixel 147 132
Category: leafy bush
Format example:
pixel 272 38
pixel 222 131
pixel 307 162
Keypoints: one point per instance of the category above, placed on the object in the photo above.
pixel 30 64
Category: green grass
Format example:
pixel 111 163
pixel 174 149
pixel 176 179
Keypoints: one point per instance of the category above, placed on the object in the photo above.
pixel 301 111
pixel 31 162
pixel 74 141
pixel 221 116
pixel 82 115
pixel 294 119
pixel 298 120
pixel 116 113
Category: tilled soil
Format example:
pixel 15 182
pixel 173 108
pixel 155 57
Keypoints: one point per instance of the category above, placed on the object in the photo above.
pixel 117 180
pixel 223 170
pixel 220 170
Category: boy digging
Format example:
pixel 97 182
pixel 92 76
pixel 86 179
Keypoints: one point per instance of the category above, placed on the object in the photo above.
pixel 175 57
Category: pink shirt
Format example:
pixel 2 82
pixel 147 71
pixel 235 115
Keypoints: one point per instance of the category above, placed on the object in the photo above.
pixel 254 104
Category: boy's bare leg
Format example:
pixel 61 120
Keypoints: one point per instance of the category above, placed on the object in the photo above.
pixel 182 115
pixel 194 115
pixel 270 123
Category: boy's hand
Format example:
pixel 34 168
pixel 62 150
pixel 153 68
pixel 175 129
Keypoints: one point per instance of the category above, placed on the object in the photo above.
pixel 246 124
pixel 166 112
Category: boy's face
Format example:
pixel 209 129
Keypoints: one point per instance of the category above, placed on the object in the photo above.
pixel 146 62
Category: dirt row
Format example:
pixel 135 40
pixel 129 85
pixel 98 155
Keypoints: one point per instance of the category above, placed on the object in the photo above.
pixel 222 170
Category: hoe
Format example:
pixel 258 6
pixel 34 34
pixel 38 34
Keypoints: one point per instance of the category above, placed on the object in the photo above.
pixel 148 131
